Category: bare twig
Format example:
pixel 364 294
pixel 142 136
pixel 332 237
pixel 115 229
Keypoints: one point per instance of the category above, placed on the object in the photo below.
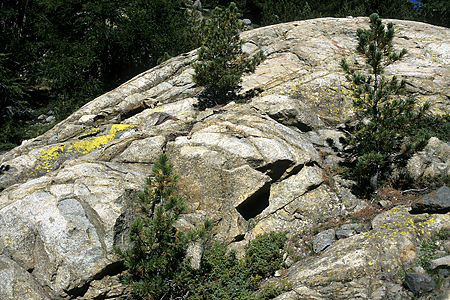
pixel 414 190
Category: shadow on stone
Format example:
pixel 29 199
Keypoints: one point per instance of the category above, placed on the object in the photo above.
pixel 211 97
pixel 255 204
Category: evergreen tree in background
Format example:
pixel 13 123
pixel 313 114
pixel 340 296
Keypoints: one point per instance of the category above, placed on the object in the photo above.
pixel 281 11
pixel 387 123
pixel 66 53
pixel 155 261
pixel 221 61
pixel 436 12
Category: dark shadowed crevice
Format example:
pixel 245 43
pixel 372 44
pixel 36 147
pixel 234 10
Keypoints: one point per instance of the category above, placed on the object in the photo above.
pixel 276 169
pixel 110 270
pixel 130 210
pixel 422 210
pixel 238 238
pixel 255 204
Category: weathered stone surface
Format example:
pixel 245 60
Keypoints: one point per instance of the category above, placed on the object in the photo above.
pixel 358 228
pixel 387 249
pixel 344 233
pixel 435 202
pixel 434 160
pixel 288 111
pixel 443 261
pixel 418 283
pixel 323 240
pixel 64 226
pixel 286 191
pixel 250 168
pixel 17 283
pixel 308 210
pixel 142 151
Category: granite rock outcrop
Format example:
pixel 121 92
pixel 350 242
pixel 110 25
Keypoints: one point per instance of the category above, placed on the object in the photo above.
pixel 250 167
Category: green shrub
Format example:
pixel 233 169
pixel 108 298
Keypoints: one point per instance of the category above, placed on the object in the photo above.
pixel 263 256
pixel 437 126
pixel 223 276
pixel 388 125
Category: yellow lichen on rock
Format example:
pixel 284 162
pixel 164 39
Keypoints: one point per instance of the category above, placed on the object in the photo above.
pixel 53 154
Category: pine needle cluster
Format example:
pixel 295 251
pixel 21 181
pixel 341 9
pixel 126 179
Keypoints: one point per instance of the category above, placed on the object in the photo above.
pixel 387 129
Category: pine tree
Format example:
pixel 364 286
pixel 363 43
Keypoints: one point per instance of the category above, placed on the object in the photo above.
pixel 221 61
pixel 387 127
pixel 155 261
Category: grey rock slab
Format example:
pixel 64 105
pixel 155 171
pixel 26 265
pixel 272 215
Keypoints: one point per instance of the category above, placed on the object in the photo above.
pixel 357 227
pixel 65 234
pixel 435 202
pixel 142 151
pixel 241 134
pixel 439 262
pixel 344 233
pixel 434 160
pixel 284 192
pixel 418 283
pixel 181 110
pixel 17 283
pixel 323 239
pixel 310 209
pixel 228 196
pixel 288 111
pixel 387 249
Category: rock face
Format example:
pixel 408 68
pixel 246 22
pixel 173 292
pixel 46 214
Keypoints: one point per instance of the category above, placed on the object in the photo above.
pixel 435 202
pixel 250 168
pixel 418 283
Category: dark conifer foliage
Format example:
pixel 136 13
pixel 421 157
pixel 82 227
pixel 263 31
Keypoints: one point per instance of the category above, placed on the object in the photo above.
pixel 155 261
pixel 65 53
pixel 221 61
pixel 387 122
pixel 436 12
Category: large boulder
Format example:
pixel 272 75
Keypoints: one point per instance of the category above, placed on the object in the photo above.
pixel 251 168
pixel 357 263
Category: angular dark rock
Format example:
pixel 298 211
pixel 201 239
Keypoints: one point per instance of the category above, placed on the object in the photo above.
pixel 359 228
pixel 323 240
pixel 418 283
pixel 344 233
pixel 132 110
pixel 435 202
pixel 444 272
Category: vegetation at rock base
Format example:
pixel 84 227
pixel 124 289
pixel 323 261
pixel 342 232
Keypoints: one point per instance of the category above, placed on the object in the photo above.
pixel 429 250
pixel 387 129
pixel 223 276
pixel 221 61
pixel 156 263
pixel 156 259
